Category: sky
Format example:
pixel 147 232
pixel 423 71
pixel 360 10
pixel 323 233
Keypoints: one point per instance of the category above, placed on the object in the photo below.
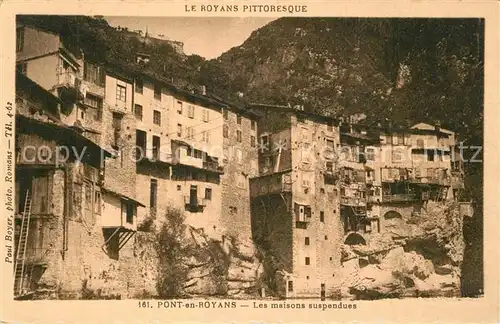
pixel 207 37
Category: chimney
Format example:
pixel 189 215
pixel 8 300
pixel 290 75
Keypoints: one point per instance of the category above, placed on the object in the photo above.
pixel 437 126
pixel 204 90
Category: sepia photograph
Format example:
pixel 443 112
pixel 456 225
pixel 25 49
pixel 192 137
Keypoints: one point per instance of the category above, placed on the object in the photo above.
pixel 291 158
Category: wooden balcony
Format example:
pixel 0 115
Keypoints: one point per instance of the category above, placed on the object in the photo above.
pixel 442 181
pixel 351 201
pixel 195 203
pixel 398 198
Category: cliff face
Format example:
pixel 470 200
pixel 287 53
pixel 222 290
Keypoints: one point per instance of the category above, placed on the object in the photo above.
pixel 420 256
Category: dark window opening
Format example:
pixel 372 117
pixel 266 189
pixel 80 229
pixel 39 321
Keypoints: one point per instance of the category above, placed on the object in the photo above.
pixel 307 241
pixel 157 117
pixel 156 147
pixel 308 261
pixel 153 194
pixel 139 85
pixel 94 73
pixel 138 111
pixel 193 196
pixel 140 142
pixel 157 90
pixel 208 193
pixel 130 213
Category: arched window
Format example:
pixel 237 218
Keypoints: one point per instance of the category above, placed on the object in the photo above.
pixel 355 239
pixel 392 214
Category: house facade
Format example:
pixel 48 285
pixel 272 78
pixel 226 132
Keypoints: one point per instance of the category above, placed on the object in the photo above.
pixel 295 200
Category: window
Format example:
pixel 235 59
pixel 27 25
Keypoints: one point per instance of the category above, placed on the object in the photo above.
pixel 330 145
pixel 153 190
pixel 206 117
pixel 117 121
pixel 239 155
pixel 370 154
pixel 179 107
pixel 206 136
pixel 191 111
pixel 179 130
pixel 190 133
pixel 139 85
pixel 430 155
pixel 208 193
pixel 326 237
pixel 305 135
pixel 138 111
pixel 253 125
pixel 156 147
pixel 22 68
pixel 252 141
pixel 306 183
pixel 322 216
pixel 19 39
pixel 92 101
pixel 264 140
pixel 238 136
pixel 241 181
pixel 308 261
pixel 140 143
pixel 238 119
pixel 397 156
pixel 94 73
pixel 130 208
pixel 157 90
pixel 307 242
pixel 225 114
pixel 401 139
pixel 329 166
pixel 156 117
pixel 198 154
pixel 395 140
pixel 225 131
pixel 82 114
pixel 290 286
pixel 121 93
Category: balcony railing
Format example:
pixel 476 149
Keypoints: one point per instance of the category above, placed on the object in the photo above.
pixel 399 198
pixel 330 176
pixel 195 202
pixel 432 180
pixel 351 201
pixel 212 166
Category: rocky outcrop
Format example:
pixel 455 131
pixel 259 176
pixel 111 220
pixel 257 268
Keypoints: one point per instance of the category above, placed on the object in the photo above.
pixel 224 266
pixel 419 256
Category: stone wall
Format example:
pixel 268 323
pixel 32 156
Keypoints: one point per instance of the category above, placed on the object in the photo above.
pixel 415 255
pixel 235 210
